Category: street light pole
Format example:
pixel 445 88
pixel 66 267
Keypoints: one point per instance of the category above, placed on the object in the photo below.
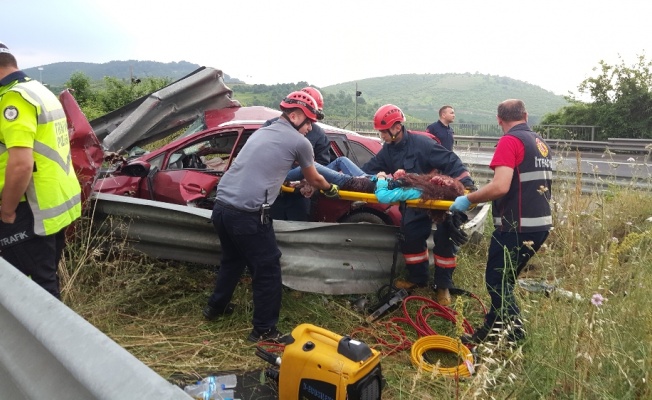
pixel 40 72
pixel 355 126
pixel 355 98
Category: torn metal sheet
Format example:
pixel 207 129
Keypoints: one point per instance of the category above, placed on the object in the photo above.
pixel 165 111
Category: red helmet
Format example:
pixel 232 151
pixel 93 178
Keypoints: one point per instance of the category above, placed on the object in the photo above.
pixel 303 101
pixel 316 94
pixel 386 116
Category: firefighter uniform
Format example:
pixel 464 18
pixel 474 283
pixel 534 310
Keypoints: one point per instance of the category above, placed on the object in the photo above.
pixel 32 117
pixel 421 155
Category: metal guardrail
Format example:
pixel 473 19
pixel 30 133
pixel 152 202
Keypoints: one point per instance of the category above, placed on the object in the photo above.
pixel 47 351
pixel 318 257
pixel 616 145
pixel 565 132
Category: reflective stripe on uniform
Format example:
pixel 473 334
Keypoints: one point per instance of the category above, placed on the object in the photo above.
pixel 416 258
pixel 536 175
pixel 445 262
pixel 53 155
pixel 529 222
pixel 45 116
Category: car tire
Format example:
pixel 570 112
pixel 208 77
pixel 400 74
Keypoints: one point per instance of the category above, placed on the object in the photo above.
pixel 365 217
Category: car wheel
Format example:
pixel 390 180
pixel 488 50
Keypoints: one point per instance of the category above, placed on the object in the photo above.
pixel 366 217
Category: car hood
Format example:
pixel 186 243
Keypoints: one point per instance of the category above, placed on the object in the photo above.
pixel 165 111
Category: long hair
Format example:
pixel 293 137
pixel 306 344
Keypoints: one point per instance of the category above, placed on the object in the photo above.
pixel 434 186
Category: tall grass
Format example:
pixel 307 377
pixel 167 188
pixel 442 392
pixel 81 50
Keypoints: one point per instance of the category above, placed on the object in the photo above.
pixel 575 348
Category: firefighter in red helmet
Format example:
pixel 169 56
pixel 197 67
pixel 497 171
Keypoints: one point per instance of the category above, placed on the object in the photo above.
pixel 405 152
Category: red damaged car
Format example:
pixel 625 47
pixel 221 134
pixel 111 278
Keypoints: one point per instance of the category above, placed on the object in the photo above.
pixel 187 170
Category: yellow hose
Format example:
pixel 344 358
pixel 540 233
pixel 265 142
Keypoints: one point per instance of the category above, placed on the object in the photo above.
pixel 445 343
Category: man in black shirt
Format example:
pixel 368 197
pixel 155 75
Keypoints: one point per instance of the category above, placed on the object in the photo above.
pixel 442 128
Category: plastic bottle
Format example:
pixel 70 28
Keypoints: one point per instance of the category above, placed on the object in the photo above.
pixel 226 381
pixel 201 390
pixel 226 394
pixel 211 386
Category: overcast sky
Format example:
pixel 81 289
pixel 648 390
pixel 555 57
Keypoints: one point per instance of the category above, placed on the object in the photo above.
pixel 550 43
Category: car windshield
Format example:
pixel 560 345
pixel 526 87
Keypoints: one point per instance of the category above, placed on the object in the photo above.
pixel 198 125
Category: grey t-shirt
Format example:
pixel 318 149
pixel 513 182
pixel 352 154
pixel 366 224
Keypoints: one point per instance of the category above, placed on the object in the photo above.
pixel 262 165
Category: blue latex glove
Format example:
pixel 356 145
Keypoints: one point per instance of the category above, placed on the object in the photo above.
pixel 460 204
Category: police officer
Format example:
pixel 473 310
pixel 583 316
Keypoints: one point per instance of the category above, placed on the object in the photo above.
pixel 241 213
pixel 407 152
pixel 442 127
pixel 40 192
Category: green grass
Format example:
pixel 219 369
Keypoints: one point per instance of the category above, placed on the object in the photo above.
pixel 574 350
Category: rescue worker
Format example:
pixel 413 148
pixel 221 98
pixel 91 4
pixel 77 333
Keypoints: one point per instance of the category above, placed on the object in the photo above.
pixel 293 206
pixel 405 152
pixel 522 165
pixel 40 192
pixel 241 213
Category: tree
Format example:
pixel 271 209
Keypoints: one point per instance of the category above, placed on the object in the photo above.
pixel 119 92
pixel 80 84
pixel 622 101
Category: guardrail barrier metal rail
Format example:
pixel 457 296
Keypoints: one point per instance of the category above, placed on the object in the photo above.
pixel 47 351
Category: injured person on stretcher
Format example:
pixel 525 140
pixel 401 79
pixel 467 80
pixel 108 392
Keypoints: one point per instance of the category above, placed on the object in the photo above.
pixel 400 187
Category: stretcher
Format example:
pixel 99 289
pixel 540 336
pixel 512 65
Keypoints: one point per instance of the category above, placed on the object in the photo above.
pixel 371 198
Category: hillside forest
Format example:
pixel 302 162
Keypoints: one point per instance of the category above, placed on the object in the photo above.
pixel 620 105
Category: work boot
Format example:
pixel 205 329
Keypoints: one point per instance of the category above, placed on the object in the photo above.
pixel 270 335
pixel 360 184
pixel 210 312
pixel 407 285
pixel 513 333
pixel 443 296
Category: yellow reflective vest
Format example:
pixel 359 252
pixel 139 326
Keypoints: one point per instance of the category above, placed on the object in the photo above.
pixel 53 194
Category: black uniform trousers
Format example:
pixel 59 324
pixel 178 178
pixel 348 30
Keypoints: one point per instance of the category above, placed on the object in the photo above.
pixel 35 256
pixel 508 255
pixel 39 259
pixel 247 242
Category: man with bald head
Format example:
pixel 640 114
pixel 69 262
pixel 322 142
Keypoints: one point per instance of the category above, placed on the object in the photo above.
pixel 520 191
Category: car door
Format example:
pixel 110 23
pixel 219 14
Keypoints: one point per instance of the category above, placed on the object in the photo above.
pixel 190 172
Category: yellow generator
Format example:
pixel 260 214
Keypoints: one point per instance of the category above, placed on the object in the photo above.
pixel 321 365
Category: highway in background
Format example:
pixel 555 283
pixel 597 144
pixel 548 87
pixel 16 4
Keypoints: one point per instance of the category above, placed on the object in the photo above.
pixel 620 166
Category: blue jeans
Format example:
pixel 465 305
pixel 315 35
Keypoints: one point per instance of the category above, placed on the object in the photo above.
pixel 246 242
pixel 331 172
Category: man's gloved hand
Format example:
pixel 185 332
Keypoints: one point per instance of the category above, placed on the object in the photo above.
pixel 460 204
pixel 454 221
pixel 332 192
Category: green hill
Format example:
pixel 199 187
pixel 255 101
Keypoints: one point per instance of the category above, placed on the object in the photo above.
pixel 474 96
pixel 59 73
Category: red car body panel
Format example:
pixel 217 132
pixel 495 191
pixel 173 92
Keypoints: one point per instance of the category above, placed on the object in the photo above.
pixel 86 150
pixel 174 182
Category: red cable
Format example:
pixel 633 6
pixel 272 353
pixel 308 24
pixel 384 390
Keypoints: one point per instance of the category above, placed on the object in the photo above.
pixel 419 323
